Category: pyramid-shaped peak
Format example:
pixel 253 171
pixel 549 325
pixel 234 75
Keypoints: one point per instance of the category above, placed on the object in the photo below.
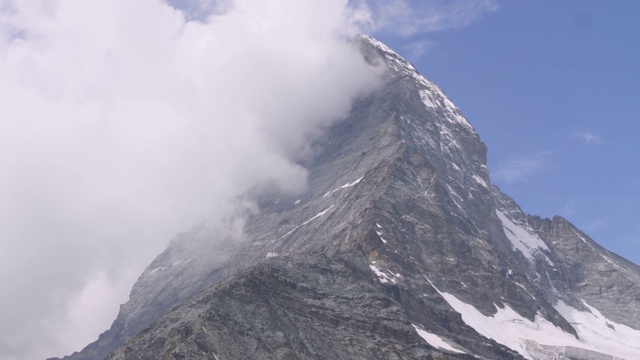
pixel 399 243
pixel 432 96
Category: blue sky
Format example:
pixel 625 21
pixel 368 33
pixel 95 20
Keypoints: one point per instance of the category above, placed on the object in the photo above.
pixel 552 87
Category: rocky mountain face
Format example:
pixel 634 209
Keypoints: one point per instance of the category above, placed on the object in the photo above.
pixel 400 249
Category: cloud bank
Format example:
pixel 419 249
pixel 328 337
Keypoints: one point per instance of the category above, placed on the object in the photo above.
pixel 123 122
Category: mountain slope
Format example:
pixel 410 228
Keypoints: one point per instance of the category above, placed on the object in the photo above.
pixel 400 248
pixel 285 308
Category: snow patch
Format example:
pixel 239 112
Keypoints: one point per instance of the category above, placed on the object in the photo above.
pixel 435 340
pixel 383 276
pixel 522 239
pixel 380 236
pixel 604 335
pixel 509 328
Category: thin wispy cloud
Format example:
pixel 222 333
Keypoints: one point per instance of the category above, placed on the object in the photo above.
pixel 632 237
pixel 598 224
pixel 521 168
pixel 417 49
pixel 588 137
pixel 412 17
pixel 569 208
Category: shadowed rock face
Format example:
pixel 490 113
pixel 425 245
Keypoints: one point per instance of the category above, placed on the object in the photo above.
pixel 285 308
pixel 398 227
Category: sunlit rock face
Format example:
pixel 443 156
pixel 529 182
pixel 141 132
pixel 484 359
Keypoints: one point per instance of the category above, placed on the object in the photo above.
pixel 400 248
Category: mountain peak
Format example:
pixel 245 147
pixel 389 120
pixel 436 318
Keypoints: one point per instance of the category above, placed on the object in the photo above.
pixel 432 96
pixel 399 248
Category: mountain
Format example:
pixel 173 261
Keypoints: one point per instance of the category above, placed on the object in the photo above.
pixel 400 249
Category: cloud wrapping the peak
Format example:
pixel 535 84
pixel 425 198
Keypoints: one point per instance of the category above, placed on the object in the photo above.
pixel 123 122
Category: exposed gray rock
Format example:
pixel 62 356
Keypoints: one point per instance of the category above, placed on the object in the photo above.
pixel 286 309
pixel 589 272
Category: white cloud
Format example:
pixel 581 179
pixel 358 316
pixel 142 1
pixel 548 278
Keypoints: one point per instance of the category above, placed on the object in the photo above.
pixel 122 123
pixel 522 167
pixel 569 208
pixel 588 137
pixel 418 48
pixel 411 17
pixel 598 224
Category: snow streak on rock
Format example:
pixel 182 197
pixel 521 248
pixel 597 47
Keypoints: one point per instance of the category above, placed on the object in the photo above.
pixel 435 340
pixel 528 243
pixel 347 185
